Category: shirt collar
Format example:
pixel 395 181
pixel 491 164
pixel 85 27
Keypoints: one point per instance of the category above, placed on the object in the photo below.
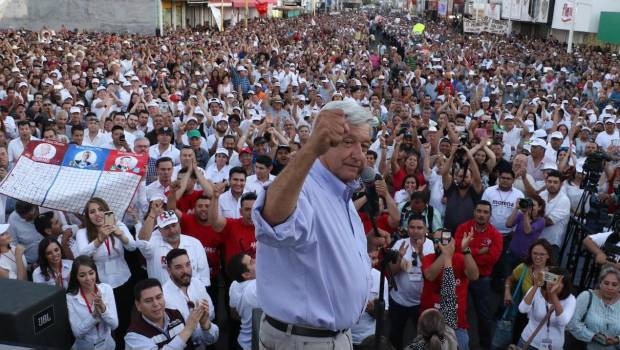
pixel 166 321
pixel 333 183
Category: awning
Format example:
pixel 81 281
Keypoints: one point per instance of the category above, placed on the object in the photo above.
pixel 252 3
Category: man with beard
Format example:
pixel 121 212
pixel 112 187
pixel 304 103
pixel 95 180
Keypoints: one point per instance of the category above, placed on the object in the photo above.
pixel 557 211
pixel 485 247
pixel 462 188
pixel 184 292
pixel 156 243
pixel 465 270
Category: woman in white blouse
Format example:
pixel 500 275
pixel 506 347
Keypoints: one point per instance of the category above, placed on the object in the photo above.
pixel 542 297
pixel 106 245
pixel 92 310
pixel 52 269
pixel 12 259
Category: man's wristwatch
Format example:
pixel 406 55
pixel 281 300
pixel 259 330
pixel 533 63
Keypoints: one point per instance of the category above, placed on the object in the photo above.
pixel 466 250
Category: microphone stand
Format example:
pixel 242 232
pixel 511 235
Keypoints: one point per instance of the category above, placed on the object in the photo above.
pixel 389 256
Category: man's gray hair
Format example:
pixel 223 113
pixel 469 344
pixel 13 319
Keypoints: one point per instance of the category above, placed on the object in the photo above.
pixel 355 114
pixel 140 139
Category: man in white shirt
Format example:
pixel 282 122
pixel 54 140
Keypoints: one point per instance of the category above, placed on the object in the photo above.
pixel 182 290
pixel 94 136
pixel 407 272
pixel 158 327
pixel 164 146
pixel 262 177
pixel 219 172
pixel 605 246
pixel 606 138
pixel 156 243
pixel 503 198
pixel 159 187
pixel 16 146
pixel 557 210
pixel 119 142
pixel 242 270
pixel 230 200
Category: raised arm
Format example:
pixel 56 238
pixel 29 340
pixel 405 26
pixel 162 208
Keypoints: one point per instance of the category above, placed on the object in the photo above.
pixel 283 194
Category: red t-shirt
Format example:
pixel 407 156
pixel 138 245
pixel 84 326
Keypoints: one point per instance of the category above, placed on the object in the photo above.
pixel 211 240
pixel 188 201
pixel 431 289
pixel 490 238
pixel 238 238
pixel 382 222
pixel 399 177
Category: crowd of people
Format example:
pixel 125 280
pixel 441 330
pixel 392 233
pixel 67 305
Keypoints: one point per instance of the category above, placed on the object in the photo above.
pixel 256 138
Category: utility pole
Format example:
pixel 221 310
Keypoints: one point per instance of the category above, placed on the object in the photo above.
pixel 569 46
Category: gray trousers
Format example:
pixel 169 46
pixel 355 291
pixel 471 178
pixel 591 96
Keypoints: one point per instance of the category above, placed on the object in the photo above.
pixel 274 339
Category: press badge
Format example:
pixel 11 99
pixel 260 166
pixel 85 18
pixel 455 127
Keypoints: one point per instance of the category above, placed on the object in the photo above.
pixel 415 275
pixel 546 343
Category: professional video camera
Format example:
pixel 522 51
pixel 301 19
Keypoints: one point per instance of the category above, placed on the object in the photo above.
pixel 593 168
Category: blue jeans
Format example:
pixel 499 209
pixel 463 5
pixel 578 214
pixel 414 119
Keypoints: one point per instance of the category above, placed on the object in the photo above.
pixel 480 292
pixel 462 338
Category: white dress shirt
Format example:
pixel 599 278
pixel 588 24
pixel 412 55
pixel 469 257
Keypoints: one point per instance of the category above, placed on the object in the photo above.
pixel 155 251
pixel 558 210
pixel 243 299
pixel 91 332
pixel 253 184
pixel 229 205
pixel 37 275
pixel 109 257
pixel 98 141
pixel 212 173
pixel 171 152
pixel 155 189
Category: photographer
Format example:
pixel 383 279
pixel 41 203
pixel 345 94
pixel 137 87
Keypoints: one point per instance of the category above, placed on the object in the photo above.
pixel 527 222
pixel 597 317
pixel 605 247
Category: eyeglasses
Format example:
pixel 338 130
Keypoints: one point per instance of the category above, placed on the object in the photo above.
pixel 414 258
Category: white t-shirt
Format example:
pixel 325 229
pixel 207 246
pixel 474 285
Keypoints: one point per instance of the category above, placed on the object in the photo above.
pixel 502 204
pixel 600 238
pixel 410 282
pixel 604 140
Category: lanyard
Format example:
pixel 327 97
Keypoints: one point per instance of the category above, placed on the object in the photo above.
pixel 58 276
pixel 88 305
pixel 548 319
pixel 107 245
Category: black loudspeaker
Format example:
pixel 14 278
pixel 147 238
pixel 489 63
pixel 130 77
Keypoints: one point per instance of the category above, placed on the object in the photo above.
pixel 33 314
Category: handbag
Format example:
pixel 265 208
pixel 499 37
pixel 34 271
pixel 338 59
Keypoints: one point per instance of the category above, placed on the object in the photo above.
pixel 570 342
pixel 505 325
pixel 526 345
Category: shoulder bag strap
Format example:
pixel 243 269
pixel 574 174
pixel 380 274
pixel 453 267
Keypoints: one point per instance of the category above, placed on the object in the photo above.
pixel 583 318
pixel 540 326
pixel 516 292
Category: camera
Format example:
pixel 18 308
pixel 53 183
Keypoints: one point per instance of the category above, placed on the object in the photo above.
pixel 446 237
pixel 525 203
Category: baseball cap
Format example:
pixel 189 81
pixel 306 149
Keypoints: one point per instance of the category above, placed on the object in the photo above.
pixel 530 125
pixel 557 135
pixel 191 118
pixel 485 99
pixel 75 110
pixel 540 133
pixel 550 166
pixel 4 228
pixel 193 133
pixel 539 143
pixel 167 218
pixel 246 150
pixel 222 150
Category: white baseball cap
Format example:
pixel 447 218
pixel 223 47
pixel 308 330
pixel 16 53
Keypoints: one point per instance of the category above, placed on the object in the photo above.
pixel 167 218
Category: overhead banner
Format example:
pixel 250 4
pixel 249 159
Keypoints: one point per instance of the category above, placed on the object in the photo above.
pixel 64 177
pixel 485 24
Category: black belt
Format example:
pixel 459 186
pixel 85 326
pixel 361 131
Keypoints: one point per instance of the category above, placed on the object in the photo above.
pixel 302 331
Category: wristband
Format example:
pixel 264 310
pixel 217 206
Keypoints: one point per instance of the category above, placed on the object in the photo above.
pixel 466 250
